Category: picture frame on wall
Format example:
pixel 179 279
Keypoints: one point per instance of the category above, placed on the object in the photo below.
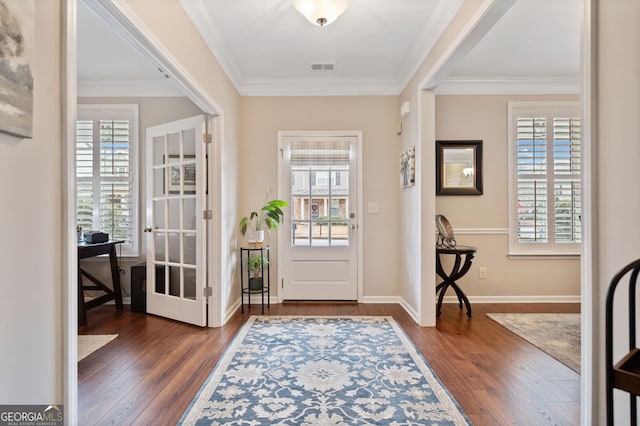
pixel 459 167
pixel 408 167
pixel 16 58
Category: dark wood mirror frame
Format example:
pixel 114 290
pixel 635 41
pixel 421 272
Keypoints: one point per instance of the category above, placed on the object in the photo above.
pixel 471 148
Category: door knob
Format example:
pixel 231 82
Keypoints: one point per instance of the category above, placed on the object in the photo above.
pixel 148 229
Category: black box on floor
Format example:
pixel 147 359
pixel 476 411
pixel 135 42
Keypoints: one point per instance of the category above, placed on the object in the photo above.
pixel 139 286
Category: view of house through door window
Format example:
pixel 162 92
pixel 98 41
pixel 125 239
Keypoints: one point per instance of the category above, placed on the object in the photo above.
pixel 320 192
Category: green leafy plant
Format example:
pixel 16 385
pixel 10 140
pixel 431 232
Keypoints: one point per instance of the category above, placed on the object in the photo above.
pixel 255 263
pixel 268 217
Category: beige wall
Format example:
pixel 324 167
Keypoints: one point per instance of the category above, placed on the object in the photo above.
pixel 485 217
pixel 617 153
pixel 263 117
pixel 31 245
pixel 151 112
pixel 417 273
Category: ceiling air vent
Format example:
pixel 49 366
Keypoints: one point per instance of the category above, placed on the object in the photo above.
pixel 322 67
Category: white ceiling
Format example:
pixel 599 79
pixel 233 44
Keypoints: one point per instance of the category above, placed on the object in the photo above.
pixel 267 48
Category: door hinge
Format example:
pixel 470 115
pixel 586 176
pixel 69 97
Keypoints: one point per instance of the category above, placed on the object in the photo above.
pixel 208 292
pixel 207 214
pixel 207 138
pixel 282 283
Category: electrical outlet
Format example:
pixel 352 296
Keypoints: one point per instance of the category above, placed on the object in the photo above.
pixel 482 272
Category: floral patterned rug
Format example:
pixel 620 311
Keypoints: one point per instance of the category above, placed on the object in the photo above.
pixel 288 370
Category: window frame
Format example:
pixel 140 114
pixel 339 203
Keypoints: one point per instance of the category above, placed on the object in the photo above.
pixel 549 110
pixel 96 113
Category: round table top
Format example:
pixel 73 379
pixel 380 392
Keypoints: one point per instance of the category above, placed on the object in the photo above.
pixel 456 250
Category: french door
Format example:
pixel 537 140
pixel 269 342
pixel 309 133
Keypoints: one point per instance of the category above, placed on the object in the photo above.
pixel 176 220
pixel 318 241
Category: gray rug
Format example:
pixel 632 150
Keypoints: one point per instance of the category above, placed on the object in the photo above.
pixel 556 334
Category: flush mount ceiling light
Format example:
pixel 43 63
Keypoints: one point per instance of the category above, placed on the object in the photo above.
pixel 321 12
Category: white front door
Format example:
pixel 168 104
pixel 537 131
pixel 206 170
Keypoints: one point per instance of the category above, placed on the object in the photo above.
pixel 176 225
pixel 318 241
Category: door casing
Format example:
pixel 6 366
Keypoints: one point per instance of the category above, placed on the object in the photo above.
pixel 359 203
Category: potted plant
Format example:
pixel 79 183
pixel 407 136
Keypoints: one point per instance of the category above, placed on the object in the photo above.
pixel 268 217
pixel 255 263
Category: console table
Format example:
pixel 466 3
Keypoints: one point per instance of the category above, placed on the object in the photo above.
pixel 86 250
pixel 460 268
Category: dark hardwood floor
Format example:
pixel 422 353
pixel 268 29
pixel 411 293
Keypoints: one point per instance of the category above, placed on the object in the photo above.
pixel 152 371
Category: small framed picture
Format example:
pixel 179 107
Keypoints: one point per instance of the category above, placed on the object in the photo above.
pixel 408 167
pixel 188 175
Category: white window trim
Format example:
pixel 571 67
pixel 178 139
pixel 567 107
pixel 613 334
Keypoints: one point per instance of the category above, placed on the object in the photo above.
pixel 120 111
pixel 544 250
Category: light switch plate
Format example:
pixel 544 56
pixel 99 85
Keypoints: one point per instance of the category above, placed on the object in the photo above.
pixel 373 207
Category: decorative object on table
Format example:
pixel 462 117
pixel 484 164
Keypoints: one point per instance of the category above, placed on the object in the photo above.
pixel 89 343
pixel 255 265
pixel 323 371
pixel 556 334
pixel 459 167
pixel 16 56
pixel 267 218
pixel 408 167
pixel 445 232
pixel 95 237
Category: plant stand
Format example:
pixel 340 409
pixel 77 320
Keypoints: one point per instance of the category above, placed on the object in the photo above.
pixel 248 287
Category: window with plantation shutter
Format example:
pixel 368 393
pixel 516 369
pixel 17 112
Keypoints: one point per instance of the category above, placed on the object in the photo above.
pixel 106 172
pixel 544 178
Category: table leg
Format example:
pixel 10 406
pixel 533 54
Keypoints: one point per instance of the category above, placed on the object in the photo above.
pixel 115 277
pixel 443 289
pixel 82 312
pixel 464 298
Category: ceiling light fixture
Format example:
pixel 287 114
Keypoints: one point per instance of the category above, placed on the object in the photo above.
pixel 321 12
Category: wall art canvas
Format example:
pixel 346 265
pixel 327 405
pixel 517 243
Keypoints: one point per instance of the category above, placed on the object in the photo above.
pixel 16 59
pixel 408 167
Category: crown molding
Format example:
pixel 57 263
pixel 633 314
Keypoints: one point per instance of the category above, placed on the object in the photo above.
pixel 320 87
pixel 509 86
pixel 127 88
pixel 199 15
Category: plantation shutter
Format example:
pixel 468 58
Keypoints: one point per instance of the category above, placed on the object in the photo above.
pixel 544 182
pixel 106 184
pixel 84 173
pixel 567 196
pixel 532 192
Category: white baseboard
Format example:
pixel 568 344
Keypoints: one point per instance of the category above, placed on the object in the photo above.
pixel 256 300
pixel 516 299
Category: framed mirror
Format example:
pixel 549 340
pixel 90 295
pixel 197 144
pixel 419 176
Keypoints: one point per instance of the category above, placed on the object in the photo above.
pixel 458 167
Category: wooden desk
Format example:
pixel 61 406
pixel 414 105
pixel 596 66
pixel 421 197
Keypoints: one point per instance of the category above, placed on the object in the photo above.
pixel 458 271
pixel 86 250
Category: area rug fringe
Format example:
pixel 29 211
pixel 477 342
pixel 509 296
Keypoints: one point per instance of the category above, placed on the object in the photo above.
pixel 323 370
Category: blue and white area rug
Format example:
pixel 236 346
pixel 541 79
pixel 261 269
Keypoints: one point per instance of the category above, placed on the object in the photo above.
pixel 323 371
